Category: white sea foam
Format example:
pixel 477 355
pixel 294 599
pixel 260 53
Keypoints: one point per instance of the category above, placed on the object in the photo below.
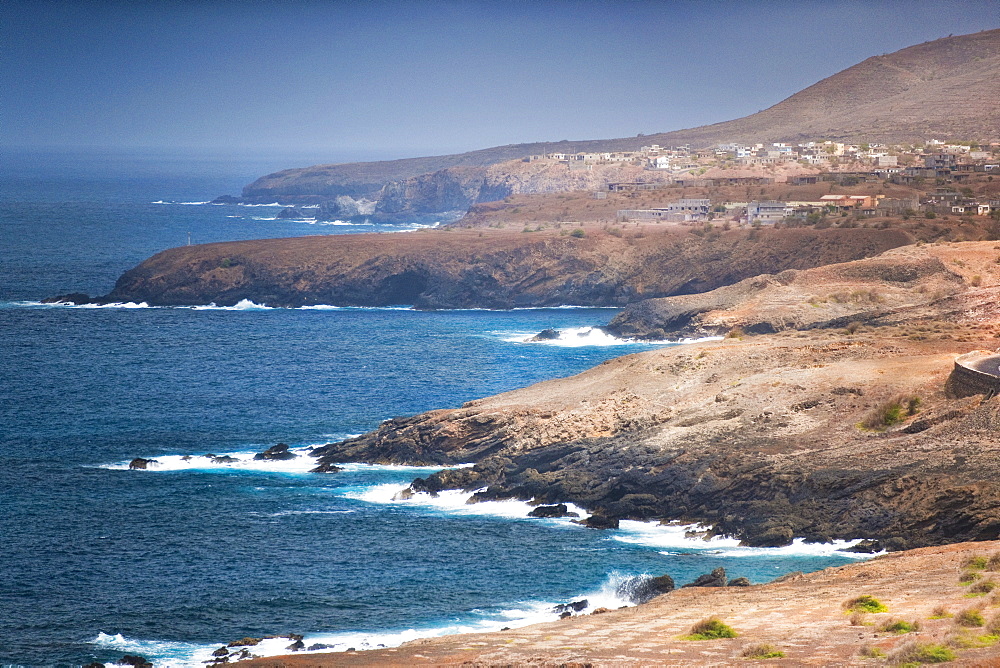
pixel 180 203
pixel 241 305
pixel 688 537
pixel 575 337
pixel 303 463
pixel 614 592
pixel 450 501
pixel 263 218
pixel 271 204
pixel 165 654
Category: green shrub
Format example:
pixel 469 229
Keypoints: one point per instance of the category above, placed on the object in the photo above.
pixel 735 333
pixel 869 652
pixel 898 626
pixel 940 612
pixel 968 577
pixel 578 233
pixel 917 653
pixel 865 603
pixel 711 629
pixel 890 412
pixel 970 618
pixel 762 651
pixel 976 562
pixel 982 588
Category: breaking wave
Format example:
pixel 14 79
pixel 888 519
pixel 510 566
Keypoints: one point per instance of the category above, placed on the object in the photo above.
pixel 576 337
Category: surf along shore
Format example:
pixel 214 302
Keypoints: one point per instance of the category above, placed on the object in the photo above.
pixel 820 429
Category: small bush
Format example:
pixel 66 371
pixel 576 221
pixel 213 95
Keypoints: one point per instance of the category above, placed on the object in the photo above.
pixel 712 628
pixel 890 412
pixel 869 652
pixel 853 327
pixel 615 231
pixel 865 603
pixel 859 619
pixel 970 618
pixel 940 612
pixel 982 587
pixel 975 563
pixel 993 563
pixel 735 333
pixel 968 577
pixel 762 651
pixel 578 233
pixel 898 626
pixel 916 653
pixel 976 281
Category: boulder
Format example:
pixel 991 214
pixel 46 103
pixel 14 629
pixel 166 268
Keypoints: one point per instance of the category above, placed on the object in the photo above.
pixel 865 547
pixel 716 578
pixel 134 660
pixel 296 646
pixel 224 459
pixel 71 298
pixel 326 467
pixel 226 199
pixel 317 646
pixel 642 589
pixel 573 606
pixel 601 522
pixel 222 651
pixel 275 453
pixel 290 212
pixel 545 335
pixel 93 664
pixel 245 642
pixel 739 582
pixel 556 510
pixel 140 463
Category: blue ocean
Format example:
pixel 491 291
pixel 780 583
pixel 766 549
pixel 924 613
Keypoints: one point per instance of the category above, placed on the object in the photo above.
pixel 171 562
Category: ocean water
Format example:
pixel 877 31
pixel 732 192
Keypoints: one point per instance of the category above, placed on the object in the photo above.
pixel 99 561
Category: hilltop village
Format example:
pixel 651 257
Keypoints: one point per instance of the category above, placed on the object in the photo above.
pixel 933 179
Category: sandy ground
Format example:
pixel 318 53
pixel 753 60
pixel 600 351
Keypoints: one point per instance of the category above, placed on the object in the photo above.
pixel 802 616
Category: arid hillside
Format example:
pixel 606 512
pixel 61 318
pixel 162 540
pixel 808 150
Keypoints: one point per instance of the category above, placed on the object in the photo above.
pixel 487 268
pixel 945 88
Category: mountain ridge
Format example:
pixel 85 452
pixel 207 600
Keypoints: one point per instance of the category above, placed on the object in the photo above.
pixel 945 87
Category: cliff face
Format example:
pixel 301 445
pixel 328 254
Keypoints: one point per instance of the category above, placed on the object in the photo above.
pixel 484 268
pixel 944 88
pixel 766 438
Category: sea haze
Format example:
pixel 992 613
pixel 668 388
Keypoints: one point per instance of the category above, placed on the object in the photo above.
pixel 99 561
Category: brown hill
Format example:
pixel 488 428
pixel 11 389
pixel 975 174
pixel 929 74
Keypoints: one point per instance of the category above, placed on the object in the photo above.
pixel 944 88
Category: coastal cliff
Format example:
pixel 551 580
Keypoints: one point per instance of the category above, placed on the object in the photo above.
pixel 814 433
pixel 489 268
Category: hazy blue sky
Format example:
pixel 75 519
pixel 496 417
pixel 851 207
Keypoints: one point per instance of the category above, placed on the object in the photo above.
pixel 412 78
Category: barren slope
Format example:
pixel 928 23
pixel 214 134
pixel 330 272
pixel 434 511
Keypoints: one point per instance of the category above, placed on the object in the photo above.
pixel 944 88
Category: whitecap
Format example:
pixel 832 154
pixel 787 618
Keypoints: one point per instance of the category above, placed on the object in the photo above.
pixel 688 537
pixel 576 337
pixel 271 204
pixel 164 653
pixel 244 461
pixel 241 305
pixel 451 501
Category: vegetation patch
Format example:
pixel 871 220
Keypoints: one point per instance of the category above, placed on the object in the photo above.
pixel 899 626
pixel 975 563
pixel 762 651
pixel 993 563
pixel 916 653
pixel 982 588
pixel 712 628
pixel 890 412
pixel 941 612
pixel 969 577
pixel 970 618
pixel 865 603
pixel 871 652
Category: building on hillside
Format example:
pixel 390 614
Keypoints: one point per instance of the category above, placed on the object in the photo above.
pixel 803 180
pixel 940 161
pixel 766 213
pixel 681 211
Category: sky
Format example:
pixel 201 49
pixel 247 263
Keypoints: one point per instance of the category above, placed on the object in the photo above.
pixel 399 79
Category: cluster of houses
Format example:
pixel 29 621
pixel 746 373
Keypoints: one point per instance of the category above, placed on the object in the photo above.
pixel 936 159
pixel 769 212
